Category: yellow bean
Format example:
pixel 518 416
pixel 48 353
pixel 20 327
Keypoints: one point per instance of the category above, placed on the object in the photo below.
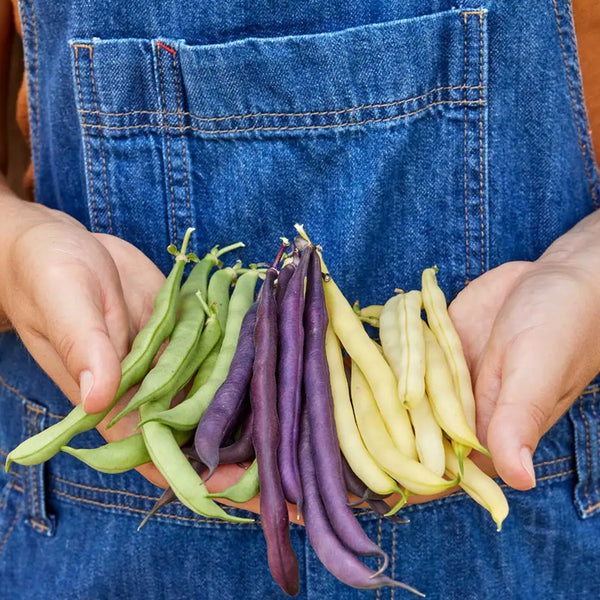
pixel 402 338
pixel 428 436
pixel 351 444
pixel 361 348
pixel 408 472
pixel 389 334
pixel 446 406
pixel 439 320
pixel 482 488
pixel 372 311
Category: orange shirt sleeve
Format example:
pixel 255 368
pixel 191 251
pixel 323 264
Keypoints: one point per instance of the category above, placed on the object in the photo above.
pixel 587 25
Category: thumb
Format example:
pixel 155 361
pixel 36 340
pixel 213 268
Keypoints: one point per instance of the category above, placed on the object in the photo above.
pixel 528 398
pixel 78 331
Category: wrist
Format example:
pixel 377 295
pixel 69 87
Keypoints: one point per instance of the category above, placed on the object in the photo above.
pixel 577 252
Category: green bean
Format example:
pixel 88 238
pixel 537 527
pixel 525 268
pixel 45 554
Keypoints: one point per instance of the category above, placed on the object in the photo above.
pixel 178 362
pixel 187 414
pixel 218 295
pixel 121 455
pixel 166 455
pixel 244 489
pixel 197 280
pixel 134 366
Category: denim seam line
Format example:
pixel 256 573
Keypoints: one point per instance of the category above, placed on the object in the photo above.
pixel 184 159
pixel 285 127
pixel 102 148
pixel 86 140
pixel 10 529
pixel 465 152
pixel 5 493
pixel 167 139
pixel 473 137
pixel 457 494
pixel 314 113
pixel 596 481
pixel 578 104
pixel 481 165
pixel 379 560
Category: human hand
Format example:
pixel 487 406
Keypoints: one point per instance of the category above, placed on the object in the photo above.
pixel 531 335
pixel 77 300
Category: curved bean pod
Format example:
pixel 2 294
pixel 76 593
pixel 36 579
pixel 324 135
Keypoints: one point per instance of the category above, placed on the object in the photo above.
pixel 44 445
pixel 401 336
pixel 408 472
pixel 428 436
pixel 353 448
pixel 187 414
pixel 228 399
pixel 442 327
pixel 361 348
pixel 178 362
pixel 121 455
pixel 263 397
pixel 482 488
pixel 174 465
pixel 336 558
pixel 242 449
pixel 283 279
pixel 319 406
pixel 168 496
pixel 355 485
pixel 445 403
pixel 243 490
pixel 375 501
pixel 289 377
pixel 218 296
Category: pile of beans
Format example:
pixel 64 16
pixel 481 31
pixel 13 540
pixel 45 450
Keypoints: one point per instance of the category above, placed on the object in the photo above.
pixel 268 383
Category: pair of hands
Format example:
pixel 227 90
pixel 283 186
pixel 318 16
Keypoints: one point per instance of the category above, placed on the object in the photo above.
pixel 530 330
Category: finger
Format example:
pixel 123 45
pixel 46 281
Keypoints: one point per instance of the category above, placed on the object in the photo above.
pixel 528 400
pixel 142 276
pixel 76 327
pixel 46 357
pixel 116 316
pixel 474 309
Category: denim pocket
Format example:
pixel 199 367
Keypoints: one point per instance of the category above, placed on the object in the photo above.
pixel 373 136
pixel 585 417
pixel 24 418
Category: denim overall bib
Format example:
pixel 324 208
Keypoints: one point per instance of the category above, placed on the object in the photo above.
pixel 402 133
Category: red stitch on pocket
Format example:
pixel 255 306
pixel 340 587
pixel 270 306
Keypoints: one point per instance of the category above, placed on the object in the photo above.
pixel 167 48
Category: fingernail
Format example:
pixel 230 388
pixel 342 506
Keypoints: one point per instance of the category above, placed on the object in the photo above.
pixel 86 382
pixel 527 462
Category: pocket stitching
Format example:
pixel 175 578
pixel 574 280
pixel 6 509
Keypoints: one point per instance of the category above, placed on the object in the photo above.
pixel 167 137
pixel 188 200
pixel 11 528
pixel 102 150
pixel 86 136
pixel 316 113
pixel 287 127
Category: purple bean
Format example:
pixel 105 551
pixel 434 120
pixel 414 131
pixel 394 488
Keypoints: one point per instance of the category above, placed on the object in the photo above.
pixel 289 378
pixel 242 449
pixel 168 495
pixel 381 507
pixel 336 557
pixel 325 447
pixel 265 434
pixel 283 279
pixel 228 401
pixel 355 485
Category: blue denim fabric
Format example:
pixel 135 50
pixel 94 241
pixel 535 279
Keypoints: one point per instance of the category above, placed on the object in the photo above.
pixel 402 134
